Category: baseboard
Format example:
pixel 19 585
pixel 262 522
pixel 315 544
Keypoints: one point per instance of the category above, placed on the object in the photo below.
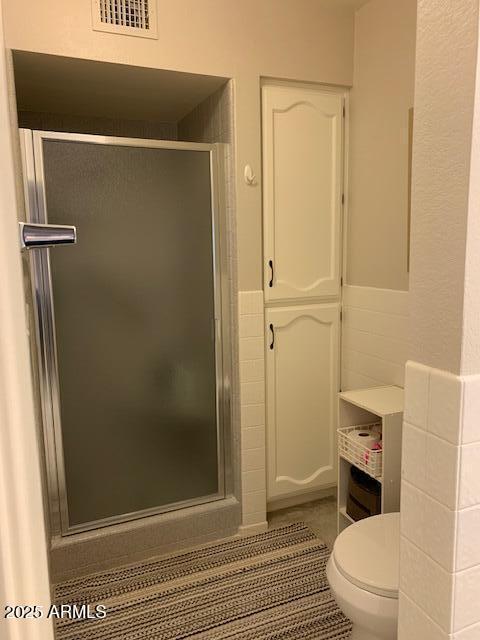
pixel 275 504
pixel 250 529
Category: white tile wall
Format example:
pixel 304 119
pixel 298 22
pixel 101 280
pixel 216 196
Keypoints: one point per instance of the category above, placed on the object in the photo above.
pixel 440 510
pixel 471 411
pixel 470 633
pixel 211 120
pixel 416 623
pixel 469 475
pixel 468 539
pixel 419 511
pixel 252 395
pixel 374 337
pixel 425 582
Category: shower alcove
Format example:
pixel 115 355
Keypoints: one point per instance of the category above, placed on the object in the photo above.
pixel 134 348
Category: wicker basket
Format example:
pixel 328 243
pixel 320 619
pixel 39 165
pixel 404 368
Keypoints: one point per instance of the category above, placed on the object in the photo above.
pixel 364 458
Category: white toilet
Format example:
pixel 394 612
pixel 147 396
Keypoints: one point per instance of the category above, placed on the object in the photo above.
pixel 363 576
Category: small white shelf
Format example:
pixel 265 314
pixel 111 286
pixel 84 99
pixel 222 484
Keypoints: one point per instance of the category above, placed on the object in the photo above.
pixel 364 407
pixel 379 480
pixel 381 401
pixel 343 512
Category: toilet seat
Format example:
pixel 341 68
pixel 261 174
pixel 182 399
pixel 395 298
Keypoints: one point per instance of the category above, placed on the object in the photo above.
pixel 367 554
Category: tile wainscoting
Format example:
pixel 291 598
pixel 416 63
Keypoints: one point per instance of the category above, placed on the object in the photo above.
pixel 440 522
pixel 374 337
pixel 374 348
pixel 252 400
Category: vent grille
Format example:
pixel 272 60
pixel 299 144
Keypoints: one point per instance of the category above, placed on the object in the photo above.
pixel 133 17
pixel 125 13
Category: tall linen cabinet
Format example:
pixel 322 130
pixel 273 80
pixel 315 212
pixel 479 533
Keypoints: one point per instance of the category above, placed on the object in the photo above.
pixel 303 151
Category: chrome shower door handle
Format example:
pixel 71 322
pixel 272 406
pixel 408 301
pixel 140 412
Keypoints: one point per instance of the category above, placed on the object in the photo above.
pixel 34 236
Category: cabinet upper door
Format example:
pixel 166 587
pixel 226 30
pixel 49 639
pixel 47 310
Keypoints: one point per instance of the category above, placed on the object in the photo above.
pixel 302 386
pixel 302 192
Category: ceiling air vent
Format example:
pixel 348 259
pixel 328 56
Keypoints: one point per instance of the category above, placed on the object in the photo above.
pixel 129 17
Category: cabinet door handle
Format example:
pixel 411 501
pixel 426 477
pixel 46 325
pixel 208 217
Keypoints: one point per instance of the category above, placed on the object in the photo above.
pixel 272 343
pixel 270 264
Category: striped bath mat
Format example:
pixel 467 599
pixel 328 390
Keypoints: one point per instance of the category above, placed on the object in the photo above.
pixel 264 587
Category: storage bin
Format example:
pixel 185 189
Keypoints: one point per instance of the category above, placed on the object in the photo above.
pixel 351 448
pixel 364 495
pixel 355 510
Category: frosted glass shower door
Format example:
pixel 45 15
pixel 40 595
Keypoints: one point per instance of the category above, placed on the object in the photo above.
pixel 134 313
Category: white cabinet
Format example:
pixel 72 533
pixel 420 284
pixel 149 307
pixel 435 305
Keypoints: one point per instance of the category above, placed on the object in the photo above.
pixel 302 129
pixel 302 192
pixel 302 354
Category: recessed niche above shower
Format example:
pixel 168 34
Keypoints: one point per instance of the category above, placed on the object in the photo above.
pixel 57 93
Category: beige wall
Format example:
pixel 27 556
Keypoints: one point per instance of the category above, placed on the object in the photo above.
pixel 23 556
pixel 445 277
pixel 384 69
pixel 299 39
pixel 440 582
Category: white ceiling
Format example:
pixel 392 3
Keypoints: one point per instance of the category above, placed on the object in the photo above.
pixel 55 84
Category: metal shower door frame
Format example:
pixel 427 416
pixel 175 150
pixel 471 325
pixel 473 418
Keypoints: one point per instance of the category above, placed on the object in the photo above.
pixel 49 384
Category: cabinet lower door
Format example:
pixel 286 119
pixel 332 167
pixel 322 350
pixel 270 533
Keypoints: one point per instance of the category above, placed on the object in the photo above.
pixel 302 359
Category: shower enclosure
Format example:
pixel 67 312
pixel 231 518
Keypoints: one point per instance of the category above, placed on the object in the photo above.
pixel 132 329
